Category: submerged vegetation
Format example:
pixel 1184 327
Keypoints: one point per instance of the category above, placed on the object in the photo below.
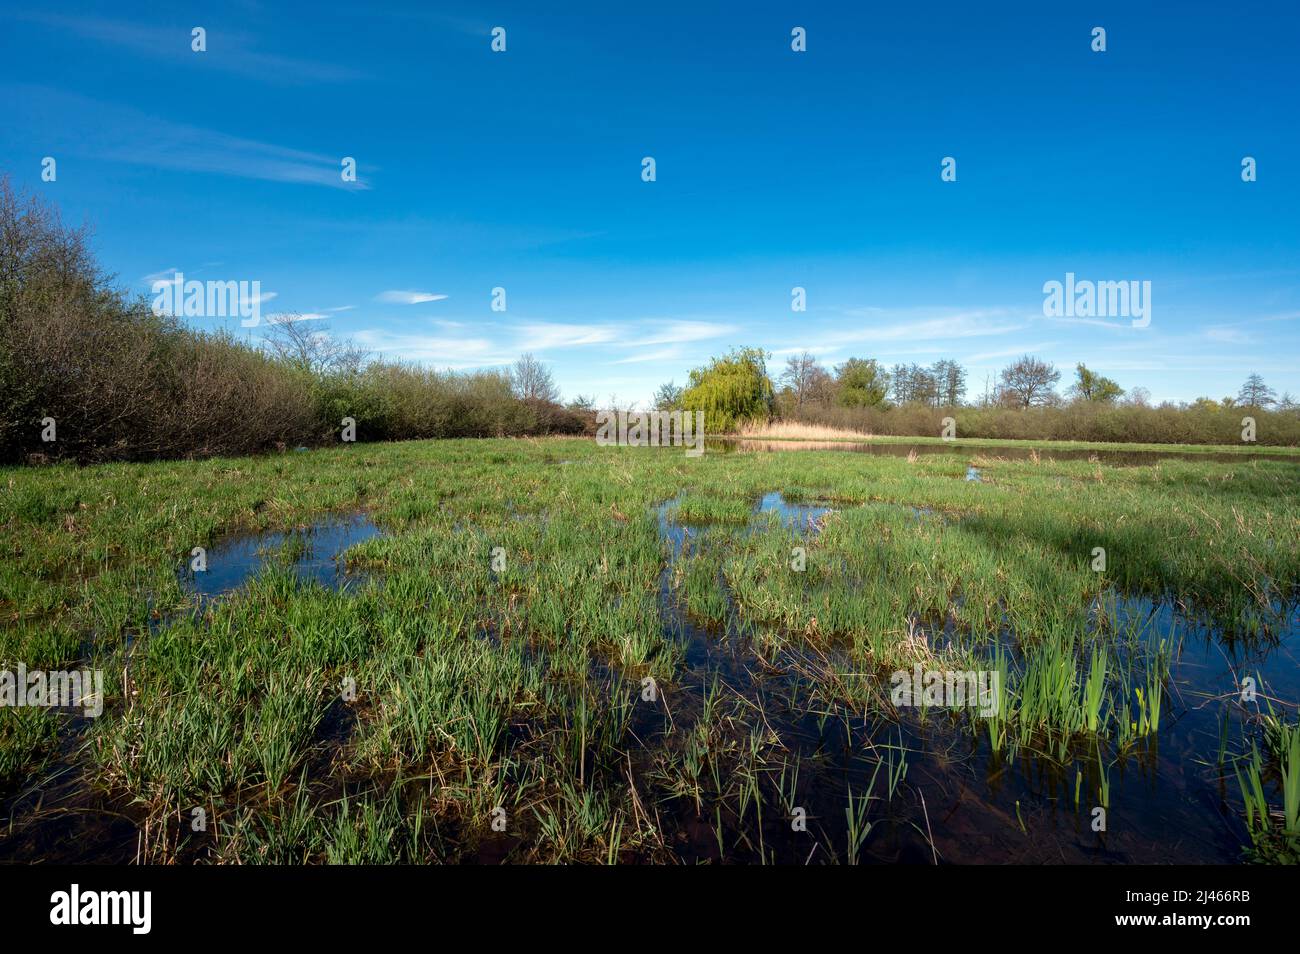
pixel 545 650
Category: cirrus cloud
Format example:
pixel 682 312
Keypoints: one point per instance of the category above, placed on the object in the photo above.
pixel 399 297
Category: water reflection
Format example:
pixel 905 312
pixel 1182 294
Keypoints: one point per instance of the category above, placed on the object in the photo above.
pixel 314 551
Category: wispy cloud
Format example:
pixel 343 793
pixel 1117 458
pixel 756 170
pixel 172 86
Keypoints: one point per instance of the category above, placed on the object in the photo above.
pixel 444 352
pixel 1114 324
pixel 1227 334
pixel 641 334
pixel 407 297
pixel 293 317
pixel 1250 331
pixel 818 350
pixel 166 275
pixel 227 51
pixel 892 333
pixel 616 343
pixel 1011 352
pixel 541 336
pixel 681 332
pixel 666 354
pixel 463 25
pixel 925 326
pixel 107 131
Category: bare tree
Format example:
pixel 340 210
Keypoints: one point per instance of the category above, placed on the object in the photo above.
pixel 532 380
pixel 1139 397
pixel 800 375
pixel 619 405
pixel 821 386
pixel 950 378
pixel 307 344
pixel 1255 393
pixel 924 386
pixel 1029 382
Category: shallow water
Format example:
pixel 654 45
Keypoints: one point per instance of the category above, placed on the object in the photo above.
pixel 238 557
pixel 794 516
pixel 958 802
pixel 1169 801
pixel 722 659
pixel 89 826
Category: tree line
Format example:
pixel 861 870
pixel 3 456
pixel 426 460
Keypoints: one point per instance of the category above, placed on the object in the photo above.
pixel 90 373
pixel 1025 401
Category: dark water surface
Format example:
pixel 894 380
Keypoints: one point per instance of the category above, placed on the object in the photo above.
pixel 1169 801
pixel 238 557
pixel 932 790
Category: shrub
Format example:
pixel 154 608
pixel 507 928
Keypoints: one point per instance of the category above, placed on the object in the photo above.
pixel 122 383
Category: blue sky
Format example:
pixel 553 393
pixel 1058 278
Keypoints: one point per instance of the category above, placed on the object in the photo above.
pixel 775 169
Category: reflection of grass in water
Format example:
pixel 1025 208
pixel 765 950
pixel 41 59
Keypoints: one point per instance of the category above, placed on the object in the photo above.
pixel 527 689
pixel 294 548
pixel 704 597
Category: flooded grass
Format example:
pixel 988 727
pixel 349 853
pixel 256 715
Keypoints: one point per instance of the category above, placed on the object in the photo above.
pixel 559 652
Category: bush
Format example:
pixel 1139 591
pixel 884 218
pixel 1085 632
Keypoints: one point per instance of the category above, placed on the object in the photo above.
pixel 122 383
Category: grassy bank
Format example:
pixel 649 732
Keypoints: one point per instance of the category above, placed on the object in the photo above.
pixel 559 651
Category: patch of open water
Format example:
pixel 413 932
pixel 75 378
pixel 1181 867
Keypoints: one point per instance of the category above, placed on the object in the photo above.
pixel 238 557
pixel 1168 801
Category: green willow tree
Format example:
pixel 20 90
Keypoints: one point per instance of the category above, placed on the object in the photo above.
pixel 732 390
